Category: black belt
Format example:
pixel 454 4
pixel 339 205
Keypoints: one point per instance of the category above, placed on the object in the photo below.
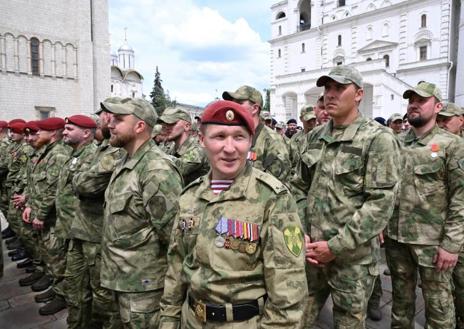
pixel 213 312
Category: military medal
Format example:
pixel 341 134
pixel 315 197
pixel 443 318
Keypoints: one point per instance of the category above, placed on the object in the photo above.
pixel 220 241
pixel 252 156
pixel 242 247
pixel 434 148
pixel 227 243
pixel 251 248
pixel 234 244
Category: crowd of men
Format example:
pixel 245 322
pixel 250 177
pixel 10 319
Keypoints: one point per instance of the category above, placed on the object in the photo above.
pixel 233 220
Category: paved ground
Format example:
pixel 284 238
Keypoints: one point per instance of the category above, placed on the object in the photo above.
pixel 19 311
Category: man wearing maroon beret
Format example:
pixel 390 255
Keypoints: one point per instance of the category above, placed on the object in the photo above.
pixel 236 255
pixel 40 208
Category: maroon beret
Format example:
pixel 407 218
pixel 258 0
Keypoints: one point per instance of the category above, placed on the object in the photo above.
pixel 31 126
pixel 3 124
pixel 228 113
pixel 82 121
pixel 17 120
pixel 17 127
pixel 51 124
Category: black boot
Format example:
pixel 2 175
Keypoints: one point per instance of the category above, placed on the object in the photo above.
pixel 11 240
pixel 374 313
pixel 57 304
pixel 14 252
pixel 28 262
pixel 20 255
pixel 30 269
pixel 31 279
pixel 45 296
pixel 8 233
pixel 14 245
pixel 43 284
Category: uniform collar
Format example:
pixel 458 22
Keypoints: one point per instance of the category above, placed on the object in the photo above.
pixel 411 136
pixel 348 134
pixel 131 162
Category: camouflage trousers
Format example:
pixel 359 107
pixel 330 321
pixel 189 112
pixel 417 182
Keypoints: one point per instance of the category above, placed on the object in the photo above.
pixel 458 280
pixel 15 218
pixel 29 238
pixel 139 310
pixel 89 304
pixel 52 250
pixel 404 261
pixel 374 301
pixel 190 321
pixel 350 286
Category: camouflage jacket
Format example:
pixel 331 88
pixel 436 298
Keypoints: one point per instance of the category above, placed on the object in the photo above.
pixel 349 183
pixel 5 145
pixel 66 200
pixel 296 144
pixel 45 173
pixel 90 183
pixel 273 266
pixel 141 202
pixel 191 160
pixel 17 168
pixel 271 152
pixel 430 208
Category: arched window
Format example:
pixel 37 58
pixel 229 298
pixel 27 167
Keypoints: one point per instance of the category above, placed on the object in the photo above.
pixel 280 30
pixel 386 58
pixel 424 20
pixel 305 15
pixel 339 40
pixel 303 47
pixel 35 56
pixel 279 53
pixel 111 88
pixel 280 15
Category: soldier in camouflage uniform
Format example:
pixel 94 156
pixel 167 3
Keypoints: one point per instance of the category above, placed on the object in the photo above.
pixel 451 118
pixel 4 143
pixel 92 305
pixel 395 123
pixel 140 206
pixel 192 161
pixel 308 118
pixel 348 176
pixel 322 116
pixel 426 232
pixel 236 255
pixel 268 151
pixel 40 208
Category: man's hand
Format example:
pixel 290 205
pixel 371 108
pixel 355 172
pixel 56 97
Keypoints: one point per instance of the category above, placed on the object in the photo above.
pixel 37 224
pixel 381 239
pixel 320 252
pixel 19 200
pixel 27 215
pixel 308 257
pixel 444 260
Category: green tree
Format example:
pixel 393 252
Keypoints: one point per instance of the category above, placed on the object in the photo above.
pixel 157 95
pixel 267 100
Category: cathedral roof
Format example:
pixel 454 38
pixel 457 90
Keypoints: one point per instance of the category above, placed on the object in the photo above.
pixel 125 47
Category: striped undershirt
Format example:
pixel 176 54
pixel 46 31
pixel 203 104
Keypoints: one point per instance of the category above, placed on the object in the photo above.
pixel 218 185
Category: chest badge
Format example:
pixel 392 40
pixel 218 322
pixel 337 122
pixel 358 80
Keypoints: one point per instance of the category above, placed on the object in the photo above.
pixel 434 148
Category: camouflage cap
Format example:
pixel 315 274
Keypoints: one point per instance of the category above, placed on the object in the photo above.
pixel 450 110
pixel 135 106
pixel 280 125
pixel 157 129
pixel 343 74
pixel 266 115
pixel 424 89
pixel 308 116
pixel 173 114
pixel 244 93
pixel 112 100
pixel 394 117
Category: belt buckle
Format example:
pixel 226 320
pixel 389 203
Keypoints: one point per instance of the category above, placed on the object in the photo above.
pixel 200 311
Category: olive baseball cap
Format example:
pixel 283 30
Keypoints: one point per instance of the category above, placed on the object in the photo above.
pixel 135 106
pixel 173 114
pixel 424 89
pixel 244 93
pixel 266 115
pixel 394 117
pixel 450 110
pixel 112 100
pixel 343 74
pixel 307 113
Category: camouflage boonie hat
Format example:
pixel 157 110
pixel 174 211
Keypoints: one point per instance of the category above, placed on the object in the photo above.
pixel 450 110
pixel 173 114
pixel 137 106
pixel 424 89
pixel 307 113
pixel 394 117
pixel 342 74
pixel 266 115
pixel 112 100
pixel 244 93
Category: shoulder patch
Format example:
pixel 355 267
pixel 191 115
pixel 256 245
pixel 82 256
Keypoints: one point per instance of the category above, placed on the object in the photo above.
pixel 293 237
pixel 276 185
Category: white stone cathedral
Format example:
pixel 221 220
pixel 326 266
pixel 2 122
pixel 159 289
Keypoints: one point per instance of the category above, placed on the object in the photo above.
pixel 53 57
pixel 125 80
pixel 393 43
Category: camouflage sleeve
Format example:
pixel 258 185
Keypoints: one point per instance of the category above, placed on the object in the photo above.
pixel 380 190
pixel 43 203
pixel 453 234
pixel 92 180
pixel 284 268
pixel 191 161
pixel 175 290
pixel 160 193
pixel 277 159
